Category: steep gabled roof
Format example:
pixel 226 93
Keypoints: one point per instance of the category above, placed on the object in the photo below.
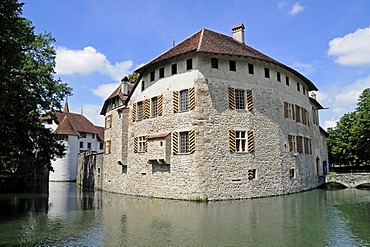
pixel 100 132
pixel 116 93
pixel 212 42
pixel 65 128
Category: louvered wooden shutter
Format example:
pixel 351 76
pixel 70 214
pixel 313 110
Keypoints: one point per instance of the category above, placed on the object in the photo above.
pixel 249 100
pixel 290 144
pixel 110 120
pixel 250 141
pixel 231 98
pixel 146 109
pixel 191 141
pixel 286 114
pixel 175 102
pixel 293 111
pixel 304 119
pixel 232 145
pixel 135 144
pixel 175 143
pixel 299 144
pixel 160 105
pixel 297 111
pixel 133 112
pixel 306 149
pixel 191 98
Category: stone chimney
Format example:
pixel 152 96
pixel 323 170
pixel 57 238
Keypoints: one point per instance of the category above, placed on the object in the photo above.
pixel 238 32
pixel 124 86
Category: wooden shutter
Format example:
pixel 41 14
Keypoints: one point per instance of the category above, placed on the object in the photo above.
pixel 306 149
pixel 231 98
pixel 232 145
pixel 110 120
pixel 110 146
pixel 251 174
pixel 135 144
pixel 175 101
pixel 299 144
pixel 250 141
pixel 293 111
pixel 175 143
pixel 160 105
pixel 146 109
pixel 133 112
pixel 191 98
pixel 290 144
pixel 297 111
pixel 286 114
pixel 304 118
pixel 191 141
pixel 249 100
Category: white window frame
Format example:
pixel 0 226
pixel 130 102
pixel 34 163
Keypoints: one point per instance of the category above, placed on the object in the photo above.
pixel 154 106
pixel 184 142
pixel 141 144
pixel 239 99
pixel 294 143
pixel 184 100
pixel 290 110
pixel 241 141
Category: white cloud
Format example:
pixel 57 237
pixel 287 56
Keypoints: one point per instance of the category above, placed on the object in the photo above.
pixel 296 8
pixel 92 112
pixel 87 61
pixel 330 123
pixel 320 96
pixel 104 90
pixel 352 49
pixel 349 97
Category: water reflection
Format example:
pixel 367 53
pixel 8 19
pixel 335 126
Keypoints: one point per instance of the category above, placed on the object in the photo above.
pixel 72 217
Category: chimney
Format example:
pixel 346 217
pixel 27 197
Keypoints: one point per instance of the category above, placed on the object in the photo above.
pixel 124 86
pixel 238 32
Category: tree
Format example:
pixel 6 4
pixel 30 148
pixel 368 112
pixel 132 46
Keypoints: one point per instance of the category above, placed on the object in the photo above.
pixel 348 142
pixel 133 77
pixel 28 90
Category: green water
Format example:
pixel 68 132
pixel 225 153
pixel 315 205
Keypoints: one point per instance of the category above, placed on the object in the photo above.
pixel 65 217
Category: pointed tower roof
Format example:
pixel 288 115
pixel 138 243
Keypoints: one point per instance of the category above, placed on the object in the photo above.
pixel 66 107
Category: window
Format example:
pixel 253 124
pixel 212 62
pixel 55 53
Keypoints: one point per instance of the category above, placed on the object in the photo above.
pixel 298 87
pixel 139 116
pixel 278 76
pixel 142 85
pixel 141 143
pixel 290 111
pixel 298 113
pixel 184 100
pixel 232 65
pixel 83 134
pixel 81 144
pixel 240 141
pixel 161 72
pixel 189 64
pixel 93 136
pixel 214 63
pixel 107 147
pixel 174 69
pixel 287 80
pixel 239 99
pixel 152 76
pixel 304 90
pixel 267 72
pixel 291 173
pixel 184 142
pixel 251 174
pixel 293 144
pixel 108 122
pixel 101 145
pixel 250 68
pixel 89 145
pixel 154 106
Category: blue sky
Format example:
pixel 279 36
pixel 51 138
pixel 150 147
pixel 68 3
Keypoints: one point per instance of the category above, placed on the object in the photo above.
pixel 99 42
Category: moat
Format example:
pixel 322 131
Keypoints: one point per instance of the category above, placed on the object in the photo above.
pixel 67 217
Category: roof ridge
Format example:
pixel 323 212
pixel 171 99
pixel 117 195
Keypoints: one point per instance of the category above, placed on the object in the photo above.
pixel 200 39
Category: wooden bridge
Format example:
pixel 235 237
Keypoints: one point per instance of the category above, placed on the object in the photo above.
pixel 350 180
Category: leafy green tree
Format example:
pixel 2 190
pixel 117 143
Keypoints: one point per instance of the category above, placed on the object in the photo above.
pixel 133 77
pixel 348 142
pixel 28 90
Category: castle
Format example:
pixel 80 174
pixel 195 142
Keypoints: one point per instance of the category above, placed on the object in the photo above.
pixel 78 134
pixel 213 119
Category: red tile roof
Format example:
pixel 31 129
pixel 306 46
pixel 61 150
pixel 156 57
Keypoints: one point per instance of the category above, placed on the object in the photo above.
pixel 212 42
pixel 72 123
pixel 116 93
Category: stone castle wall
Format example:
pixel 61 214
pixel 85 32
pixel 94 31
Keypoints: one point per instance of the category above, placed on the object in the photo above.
pixel 213 172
